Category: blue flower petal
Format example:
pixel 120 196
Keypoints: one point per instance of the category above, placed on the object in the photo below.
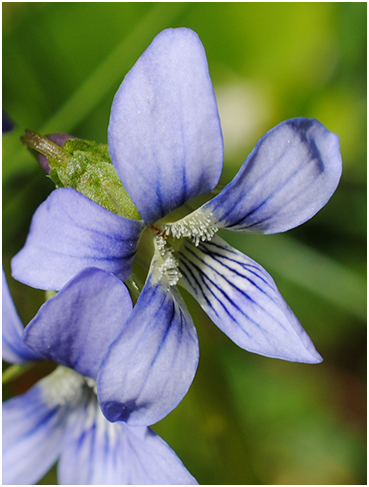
pixel 165 139
pixel 14 350
pixel 288 177
pixel 32 433
pixel 68 233
pixel 150 366
pixel 162 466
pixel 98 452
pixel 243 301
pixel 76 327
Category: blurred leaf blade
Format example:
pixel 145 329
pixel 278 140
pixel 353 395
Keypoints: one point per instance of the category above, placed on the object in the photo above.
pixel 107 75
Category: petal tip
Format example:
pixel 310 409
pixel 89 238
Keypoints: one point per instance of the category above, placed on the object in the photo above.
pixel 164 133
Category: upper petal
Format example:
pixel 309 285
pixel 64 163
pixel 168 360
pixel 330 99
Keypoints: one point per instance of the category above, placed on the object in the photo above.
pixel 76 327
pixel 32 432
pixel 243 301
pixel 165 139
pixel 288 177
pixel 151 364
pixel 70 232
pixel 14 350
pixel 98 452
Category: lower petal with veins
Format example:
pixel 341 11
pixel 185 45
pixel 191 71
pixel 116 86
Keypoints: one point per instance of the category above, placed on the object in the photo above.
pixel 243 301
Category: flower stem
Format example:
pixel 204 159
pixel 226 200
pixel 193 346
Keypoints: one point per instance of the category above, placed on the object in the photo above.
pixel 37 142
pixel 15 371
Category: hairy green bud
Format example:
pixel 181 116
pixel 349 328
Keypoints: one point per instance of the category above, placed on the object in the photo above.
pixel 86 167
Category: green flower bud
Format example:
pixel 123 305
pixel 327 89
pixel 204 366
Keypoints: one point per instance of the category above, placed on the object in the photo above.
pixel 86 167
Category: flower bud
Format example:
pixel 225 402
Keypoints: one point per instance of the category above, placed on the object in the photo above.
pixel 58 139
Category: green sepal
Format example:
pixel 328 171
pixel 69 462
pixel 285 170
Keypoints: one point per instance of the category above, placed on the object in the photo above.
pixel 54 176
pixel 90 171
pixel 87 168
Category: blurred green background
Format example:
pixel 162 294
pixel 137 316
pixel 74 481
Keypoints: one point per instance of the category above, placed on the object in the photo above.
pixel 247 419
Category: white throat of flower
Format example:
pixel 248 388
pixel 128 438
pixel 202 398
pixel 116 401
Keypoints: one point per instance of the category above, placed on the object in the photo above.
pixel 64 387
pixel 198 226
pixel 164 264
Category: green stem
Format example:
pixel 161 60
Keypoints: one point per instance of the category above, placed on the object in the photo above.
pixel 44 146
pixel 15 371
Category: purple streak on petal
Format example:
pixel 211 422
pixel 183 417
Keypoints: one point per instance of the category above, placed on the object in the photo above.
pixel 150 366
pixel 98 452
pixel 32 433
pixel 76 327
pixel 14 350
pixel 68 233
pixel 165 139
pixel 244 302
pixel 288 177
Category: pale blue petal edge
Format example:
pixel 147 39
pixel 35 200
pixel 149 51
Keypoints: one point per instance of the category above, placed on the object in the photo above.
pixel 13 349
pixel 288 177
pixel 70 232
pixel 32 433
pixel 243 301
pixel 76 327
pixel 164 134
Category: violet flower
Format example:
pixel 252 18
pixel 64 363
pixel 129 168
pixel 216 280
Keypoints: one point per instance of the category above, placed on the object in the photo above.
pixel 59 417
pixel 165 142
